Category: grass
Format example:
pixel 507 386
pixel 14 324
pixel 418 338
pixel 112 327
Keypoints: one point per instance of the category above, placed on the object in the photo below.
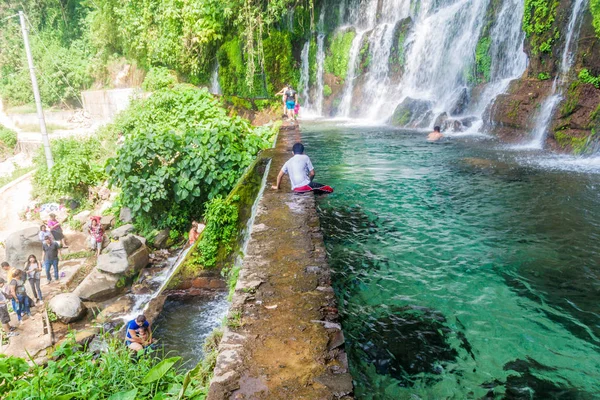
pixel 17 173
pixel 78 254
pixel 50 128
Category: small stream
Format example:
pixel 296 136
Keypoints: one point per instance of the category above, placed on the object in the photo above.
pixel 185 323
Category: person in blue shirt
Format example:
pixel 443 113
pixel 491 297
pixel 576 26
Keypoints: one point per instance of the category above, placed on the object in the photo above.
pixel 134 340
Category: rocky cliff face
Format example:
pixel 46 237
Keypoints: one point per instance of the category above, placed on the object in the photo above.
pixel 576 119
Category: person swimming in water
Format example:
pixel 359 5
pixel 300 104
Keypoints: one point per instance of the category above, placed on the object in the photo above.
pixel 436 135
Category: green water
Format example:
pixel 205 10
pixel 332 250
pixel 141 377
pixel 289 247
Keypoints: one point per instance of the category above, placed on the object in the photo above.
pixel 461 270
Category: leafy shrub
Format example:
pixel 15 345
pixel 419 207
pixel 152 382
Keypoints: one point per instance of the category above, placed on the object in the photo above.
pixel 8 141
pixel 159 78
pixel 595 10
pixel 77 374
pixel 327 91
pixel 221 218
pixel 586 77
pixel 77 166
pixel 543 76
pixel 181 150
pixel 336 60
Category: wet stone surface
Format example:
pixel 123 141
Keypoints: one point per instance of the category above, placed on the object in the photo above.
pixel 288 344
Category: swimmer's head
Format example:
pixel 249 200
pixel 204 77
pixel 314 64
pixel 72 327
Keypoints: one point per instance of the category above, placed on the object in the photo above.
pixel 436 128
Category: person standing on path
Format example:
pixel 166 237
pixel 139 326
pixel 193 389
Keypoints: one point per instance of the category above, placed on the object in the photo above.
pixel 282 94
pixel 291 98
pixel 50 248
pixel 10 271
pixel 4 315
pixel 33 269
pixel 56 230
pixel 96 235
pixel 18 294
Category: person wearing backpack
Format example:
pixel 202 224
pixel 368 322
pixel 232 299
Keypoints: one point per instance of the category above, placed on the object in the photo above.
pixel 291 98
pixel 18 295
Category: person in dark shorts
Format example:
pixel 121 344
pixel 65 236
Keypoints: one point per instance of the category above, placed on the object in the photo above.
pixel 18 295
pixel 4 315
pixel 291 98
pixel 300 170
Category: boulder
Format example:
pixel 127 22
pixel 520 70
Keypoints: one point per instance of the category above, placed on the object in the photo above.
pixel 67 307
pixel 412 113
pixel 125 215
pixel 20 244
pixel 107 222
pixel 98 286
pixel 121 231
pixel 440 119
pixel 82 217
pixel 124 257
pixel 461 103
pixel 160 240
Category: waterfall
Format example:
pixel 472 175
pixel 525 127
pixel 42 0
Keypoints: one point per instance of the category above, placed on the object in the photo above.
pixel 346 103
pixel 215 87
pixel 544 118
pixel 320 71
pixel 304 76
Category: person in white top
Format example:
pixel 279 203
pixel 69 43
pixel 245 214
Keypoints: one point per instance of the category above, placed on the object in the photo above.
pixel 299 169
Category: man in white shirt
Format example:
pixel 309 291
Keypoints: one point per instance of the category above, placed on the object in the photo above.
pixel 301 172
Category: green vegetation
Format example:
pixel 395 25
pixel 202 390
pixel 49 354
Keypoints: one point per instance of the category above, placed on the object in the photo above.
pixel 327 91
pixel 78 164
pixel 543 76
pixel 74 373
pixel 181 150
pixel 586 77
pixel 8 142
pixel 595 10
pixel 77 254
pixel 483 60
pixel 221 218
pixel 571 100
pixel 578 145
pixel 159 78
pixel 17 173
pixel 397 52
pixel 364 55
pixel 336 59
pixel 538 23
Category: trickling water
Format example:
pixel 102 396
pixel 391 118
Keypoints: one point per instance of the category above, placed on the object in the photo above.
pixel 544 118
pixel 215 86
pixel 304 76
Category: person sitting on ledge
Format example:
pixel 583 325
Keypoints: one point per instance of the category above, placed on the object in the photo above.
pixel 133 340
pixel 435 135
pixel 301 172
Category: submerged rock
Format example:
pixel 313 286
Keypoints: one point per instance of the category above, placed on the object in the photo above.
pixel 412 113
pixel 406 342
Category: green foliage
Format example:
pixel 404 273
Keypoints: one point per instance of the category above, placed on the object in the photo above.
pixel 338 53
pixel 221 218
pixel 578 145
pixel 364 55
pixel 595 10
pixel 279 57
pixel 312 62
pixel 78 164
pixel 538 24
pixel 543 76
pixel 586 77
pixel 571 100
pixel 8 142
pixel 159 78
pixel 397 52
pixel 327 91
pixel 77 254
pixel 77 374
pixel 483 60
pixel 181 150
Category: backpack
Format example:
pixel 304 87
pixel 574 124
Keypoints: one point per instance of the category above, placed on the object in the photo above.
pixel 290 95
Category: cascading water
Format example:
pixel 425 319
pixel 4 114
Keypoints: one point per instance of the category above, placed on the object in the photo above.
pixel 320 62
pixel 304 76
pixel 215 87
pixel 544 118
pixel 346 103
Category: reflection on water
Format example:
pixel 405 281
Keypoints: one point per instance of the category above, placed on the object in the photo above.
pixel 184 324
pixel 461 271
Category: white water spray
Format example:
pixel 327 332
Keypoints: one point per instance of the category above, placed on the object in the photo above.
pixel 215 87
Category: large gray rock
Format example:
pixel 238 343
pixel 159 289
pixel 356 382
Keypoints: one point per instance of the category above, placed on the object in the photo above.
pixel 67 307
pixel 107 222
pixel 124 257
pixel 121 231
pixel 99 286
pixel 125 215
pixel 412 113
pixel 20 244
pixel 160 240
pixel 83 217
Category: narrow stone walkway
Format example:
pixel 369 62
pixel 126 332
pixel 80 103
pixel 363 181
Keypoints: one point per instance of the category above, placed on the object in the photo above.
pixel 284 340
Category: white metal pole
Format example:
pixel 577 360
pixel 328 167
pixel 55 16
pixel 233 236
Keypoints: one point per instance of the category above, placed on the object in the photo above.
pixel 36 94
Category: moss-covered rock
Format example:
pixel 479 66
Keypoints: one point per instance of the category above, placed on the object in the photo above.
pixel 397 58
pixel 338 53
